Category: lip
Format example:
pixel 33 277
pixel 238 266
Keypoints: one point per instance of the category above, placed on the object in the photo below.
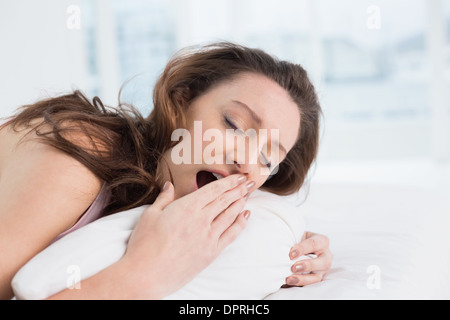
pixel 222 173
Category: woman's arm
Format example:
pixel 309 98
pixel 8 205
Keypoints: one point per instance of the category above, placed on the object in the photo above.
pixel 172 242
pixel 117 281
pixel 43 192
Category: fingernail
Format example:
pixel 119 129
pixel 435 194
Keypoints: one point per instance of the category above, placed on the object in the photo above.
pixel 299 268
pixel 291 281
pixel 166 184
pixel 247 215
pixel 250 185
pixel 241 179
pixel 294 254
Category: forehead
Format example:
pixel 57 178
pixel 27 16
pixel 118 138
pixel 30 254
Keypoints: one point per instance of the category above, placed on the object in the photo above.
pixel 265 98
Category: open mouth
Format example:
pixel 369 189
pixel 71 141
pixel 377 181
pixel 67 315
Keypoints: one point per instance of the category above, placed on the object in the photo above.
pixel 205 177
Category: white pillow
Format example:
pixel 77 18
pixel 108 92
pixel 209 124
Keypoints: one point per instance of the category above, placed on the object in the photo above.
pixel 253 266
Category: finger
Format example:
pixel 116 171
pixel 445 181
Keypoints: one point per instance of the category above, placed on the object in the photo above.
pixel 305 235
pixel 309 234
pixel 315 244
pixel 211 191
pixel 233 231
pixel 321 263
pixel 166 196
pixel 304 279
pixel 224 220
pixel 225 200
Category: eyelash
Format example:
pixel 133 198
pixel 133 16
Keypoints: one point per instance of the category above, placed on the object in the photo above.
pixel 267 163
pixel 230 124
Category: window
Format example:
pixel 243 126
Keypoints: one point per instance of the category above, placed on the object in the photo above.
pixel 369 60
pixel 145 39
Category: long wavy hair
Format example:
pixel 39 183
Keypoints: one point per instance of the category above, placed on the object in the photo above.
pixel 123 148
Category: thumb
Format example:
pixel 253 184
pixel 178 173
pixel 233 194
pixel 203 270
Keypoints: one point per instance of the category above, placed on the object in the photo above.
pixel 166 196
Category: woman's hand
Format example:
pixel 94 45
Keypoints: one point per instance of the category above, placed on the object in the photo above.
pixel 309 271
pixel 175 240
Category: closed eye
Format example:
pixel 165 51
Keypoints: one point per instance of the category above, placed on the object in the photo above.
pixel 266 162
pixel 229 123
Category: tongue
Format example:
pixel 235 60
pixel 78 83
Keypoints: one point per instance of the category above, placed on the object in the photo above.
pixel 204 177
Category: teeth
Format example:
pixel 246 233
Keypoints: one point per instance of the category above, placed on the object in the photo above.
pixel 218 176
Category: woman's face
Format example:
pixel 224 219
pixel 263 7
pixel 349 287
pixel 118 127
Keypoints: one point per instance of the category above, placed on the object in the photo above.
pixel 245 125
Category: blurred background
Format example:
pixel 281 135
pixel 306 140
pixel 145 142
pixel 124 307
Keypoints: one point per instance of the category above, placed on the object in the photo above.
pixel 381 67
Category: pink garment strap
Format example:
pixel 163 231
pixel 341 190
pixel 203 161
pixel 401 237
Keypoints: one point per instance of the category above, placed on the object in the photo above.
pixel 94 212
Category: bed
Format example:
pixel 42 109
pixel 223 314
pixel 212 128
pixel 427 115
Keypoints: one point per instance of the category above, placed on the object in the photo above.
pixel 388 243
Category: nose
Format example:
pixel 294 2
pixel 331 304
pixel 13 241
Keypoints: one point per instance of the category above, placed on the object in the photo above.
pixel 243 168
pixel 244 157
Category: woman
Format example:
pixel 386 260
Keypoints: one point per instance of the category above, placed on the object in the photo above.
pixel 63 156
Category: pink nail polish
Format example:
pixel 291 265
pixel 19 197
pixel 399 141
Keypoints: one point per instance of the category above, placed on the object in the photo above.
pixel 299 268
pixel 294 254
pixel 241 179
pixel 250 185
pixel 292 281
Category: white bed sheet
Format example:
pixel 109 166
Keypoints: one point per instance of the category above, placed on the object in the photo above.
pixel 388 242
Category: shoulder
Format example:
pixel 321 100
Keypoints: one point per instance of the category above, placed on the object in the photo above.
pixel 30 157
pixel 38 180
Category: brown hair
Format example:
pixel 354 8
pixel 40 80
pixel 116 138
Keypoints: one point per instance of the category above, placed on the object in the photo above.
pixel 124 149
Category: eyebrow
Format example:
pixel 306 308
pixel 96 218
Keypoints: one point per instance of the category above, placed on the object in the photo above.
pixel 258 120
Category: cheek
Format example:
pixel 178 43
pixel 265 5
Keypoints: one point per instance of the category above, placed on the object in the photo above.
pixel 168 167
pixel 204 135
pixel 260 180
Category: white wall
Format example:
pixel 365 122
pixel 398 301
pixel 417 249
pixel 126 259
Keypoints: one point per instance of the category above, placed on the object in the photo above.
pixel 39 53
pixel 436 43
